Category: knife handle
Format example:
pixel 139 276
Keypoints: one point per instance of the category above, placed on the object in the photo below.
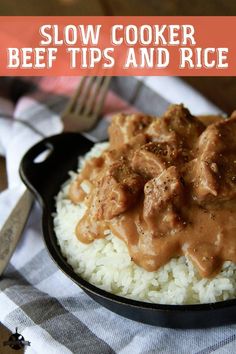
pixel 13 228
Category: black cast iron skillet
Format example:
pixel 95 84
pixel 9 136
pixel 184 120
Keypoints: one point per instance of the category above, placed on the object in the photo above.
pixel 44 180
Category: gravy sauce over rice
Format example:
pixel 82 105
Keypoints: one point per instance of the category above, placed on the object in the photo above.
pixel 166 187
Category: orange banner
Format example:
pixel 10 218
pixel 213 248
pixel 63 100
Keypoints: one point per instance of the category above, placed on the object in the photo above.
pixel 114 46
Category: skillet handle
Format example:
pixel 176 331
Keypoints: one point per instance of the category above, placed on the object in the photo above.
pixel 43 178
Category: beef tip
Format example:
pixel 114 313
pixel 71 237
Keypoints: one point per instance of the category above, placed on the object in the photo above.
pixel 178 119
pixel 113 155
pixel 233 114
pixel 152 158
pixel 137 141
pixel 124 127
pixel 118 190
pixel 210 119
pixel 176 126
pixel 200 176
pixel 219 137
pixel 215 167
pixel 163 197
pixel 126 151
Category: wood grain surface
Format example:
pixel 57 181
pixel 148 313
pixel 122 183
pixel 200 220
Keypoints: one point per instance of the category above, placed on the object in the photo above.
pixel 118 7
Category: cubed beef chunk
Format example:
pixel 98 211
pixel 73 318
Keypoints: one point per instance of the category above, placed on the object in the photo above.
pixel 233 114
pixel 210 119
pixel 124 127
pixel 177 126
pixel 219 137
pixel 201 179
pixel 152 158
pixel 126 151
pixel 214 174
pixel 118 190
pixel 163 197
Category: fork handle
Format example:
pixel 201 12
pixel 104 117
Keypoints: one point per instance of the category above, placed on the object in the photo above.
pixel 74 123
pixel 13 228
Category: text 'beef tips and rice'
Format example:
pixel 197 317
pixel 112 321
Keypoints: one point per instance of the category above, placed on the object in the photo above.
pixel 165 186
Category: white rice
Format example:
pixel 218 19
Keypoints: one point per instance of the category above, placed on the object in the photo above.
pixel 107 264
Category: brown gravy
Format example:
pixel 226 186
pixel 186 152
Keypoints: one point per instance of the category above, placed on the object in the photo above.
pixel 166 187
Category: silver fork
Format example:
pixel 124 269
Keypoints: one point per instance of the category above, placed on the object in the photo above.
pixel 81 114
pixel 84 108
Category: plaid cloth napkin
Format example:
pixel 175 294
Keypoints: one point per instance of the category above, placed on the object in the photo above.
pixel 49 310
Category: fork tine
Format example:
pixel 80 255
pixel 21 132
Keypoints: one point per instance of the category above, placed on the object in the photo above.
pixel 103 91
pixel 82 115
pixel 92 98
pixel 84 95
pixel 74 99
